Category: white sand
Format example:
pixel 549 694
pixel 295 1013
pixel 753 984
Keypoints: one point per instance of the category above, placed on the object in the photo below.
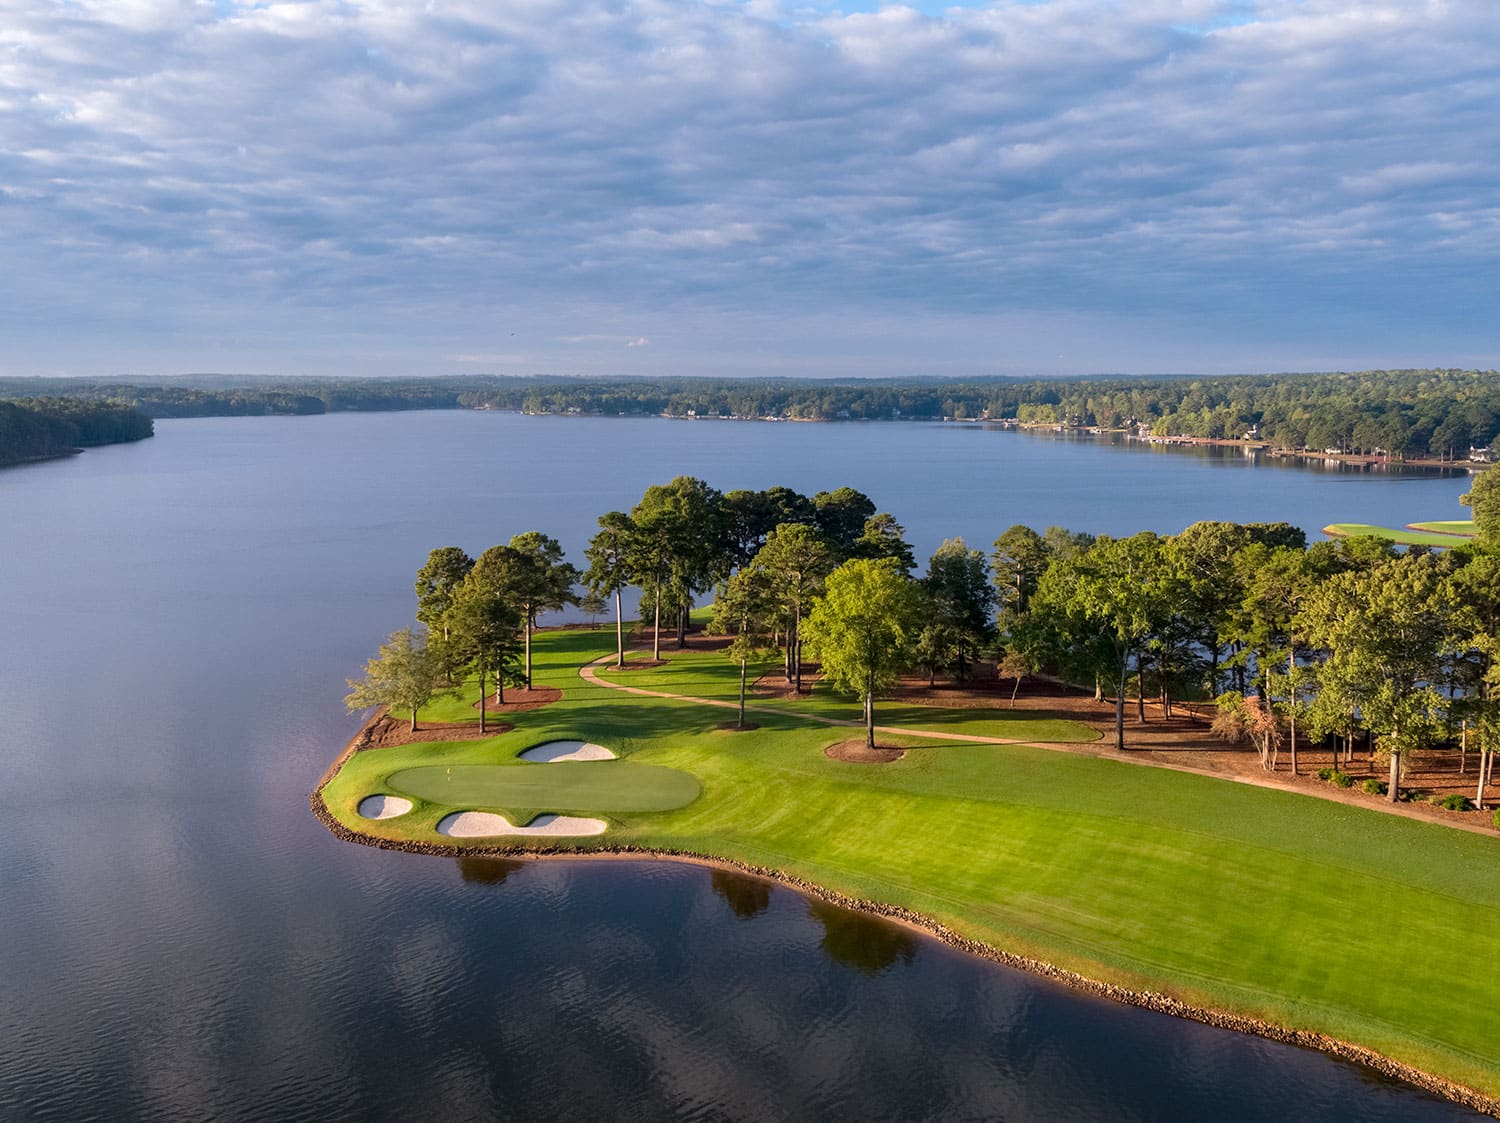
pixel 554 751
pixel 486 824
pixel 383 806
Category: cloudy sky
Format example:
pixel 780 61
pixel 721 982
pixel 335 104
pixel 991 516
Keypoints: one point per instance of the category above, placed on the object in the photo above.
pixel 747 186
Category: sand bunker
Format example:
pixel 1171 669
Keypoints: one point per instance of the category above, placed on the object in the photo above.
pixel 554 751
pixel 383 806
pixel 485 824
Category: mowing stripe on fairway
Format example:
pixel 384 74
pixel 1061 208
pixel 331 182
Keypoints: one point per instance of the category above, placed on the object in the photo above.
pixel 605 785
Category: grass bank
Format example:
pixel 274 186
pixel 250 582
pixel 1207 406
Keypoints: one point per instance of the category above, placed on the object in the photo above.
pixel 1265 904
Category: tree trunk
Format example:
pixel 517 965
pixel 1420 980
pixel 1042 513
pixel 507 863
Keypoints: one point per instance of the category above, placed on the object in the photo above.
pixel 870 720
pixel 1463 747
pixel 1014 690
pixel 528 647
pixel 1140 693
pixel 619 629
pixel 742 693
pixel 656 630
pixel 499 686
pixel 1120 712
pixel 796 649
pixel 682 615
pixel 1393 786
pixel 1291 700
pixel 414 719
pixel 482 728
pixel 1485 759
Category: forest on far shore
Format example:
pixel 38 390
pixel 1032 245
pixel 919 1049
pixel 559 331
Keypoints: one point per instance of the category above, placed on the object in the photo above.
pixel 41 428
pixel 1411 414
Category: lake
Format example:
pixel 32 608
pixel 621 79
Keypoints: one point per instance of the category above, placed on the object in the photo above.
pixel 180 939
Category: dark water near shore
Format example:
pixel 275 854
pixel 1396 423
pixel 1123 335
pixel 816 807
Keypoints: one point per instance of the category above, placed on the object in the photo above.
pixel 179 939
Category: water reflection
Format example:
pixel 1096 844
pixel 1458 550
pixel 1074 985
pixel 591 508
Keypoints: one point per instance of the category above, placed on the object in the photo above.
pixel 747 897
pixel 487 871
pixel 866 943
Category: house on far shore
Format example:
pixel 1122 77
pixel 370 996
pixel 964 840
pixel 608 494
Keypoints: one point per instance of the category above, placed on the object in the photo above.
pixel 1482 455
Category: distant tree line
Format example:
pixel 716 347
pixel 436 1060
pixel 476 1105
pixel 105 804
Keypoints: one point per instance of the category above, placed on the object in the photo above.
pixel 1438 414
pixel 38 428
pixel 1330 641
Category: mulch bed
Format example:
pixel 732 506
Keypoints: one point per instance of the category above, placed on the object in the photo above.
pixel 736 727
pixel 518 700
pixel 774 684
pixel 857 752
pixel 387 731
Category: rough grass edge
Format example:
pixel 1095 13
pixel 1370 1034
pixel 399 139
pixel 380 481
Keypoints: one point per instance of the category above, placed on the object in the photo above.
pixel 1146 999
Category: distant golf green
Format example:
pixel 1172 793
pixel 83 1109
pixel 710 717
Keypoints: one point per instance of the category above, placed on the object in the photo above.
pixel 1403 536
pixel 605 785
pixel 1463 528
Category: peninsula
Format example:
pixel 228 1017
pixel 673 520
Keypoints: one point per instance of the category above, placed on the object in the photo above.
pixel 1177 848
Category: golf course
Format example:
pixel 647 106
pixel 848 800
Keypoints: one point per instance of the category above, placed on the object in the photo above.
pixel 1275 909
pixel 1440 534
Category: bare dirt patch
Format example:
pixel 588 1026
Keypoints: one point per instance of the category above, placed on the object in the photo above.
pixel 523 699
pixel 857 752
pixel 736 727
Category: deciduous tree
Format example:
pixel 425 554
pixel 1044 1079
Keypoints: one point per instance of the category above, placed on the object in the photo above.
pixel 863 628
pixel 405 675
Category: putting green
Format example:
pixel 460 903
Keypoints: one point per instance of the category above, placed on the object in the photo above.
pixel 1401 537
pixel 605 785
pixel 1462 528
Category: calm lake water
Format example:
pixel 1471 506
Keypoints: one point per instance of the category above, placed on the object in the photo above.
pixel 179 939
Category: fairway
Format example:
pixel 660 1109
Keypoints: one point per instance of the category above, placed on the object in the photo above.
pixel 590 786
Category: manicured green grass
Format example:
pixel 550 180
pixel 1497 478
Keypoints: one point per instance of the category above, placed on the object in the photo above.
pixel 600 785
pixel 1464 528
pixel 1365 926
pixel 708 674
pixel 1402 536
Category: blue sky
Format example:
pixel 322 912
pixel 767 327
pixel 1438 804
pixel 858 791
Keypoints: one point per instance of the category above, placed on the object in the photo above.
pixel 747 186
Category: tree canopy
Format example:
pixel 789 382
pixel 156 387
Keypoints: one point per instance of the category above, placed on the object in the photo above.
pixel 863 629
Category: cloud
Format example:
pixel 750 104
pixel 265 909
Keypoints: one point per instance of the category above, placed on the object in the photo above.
pixel 638 341
pixel 360 175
